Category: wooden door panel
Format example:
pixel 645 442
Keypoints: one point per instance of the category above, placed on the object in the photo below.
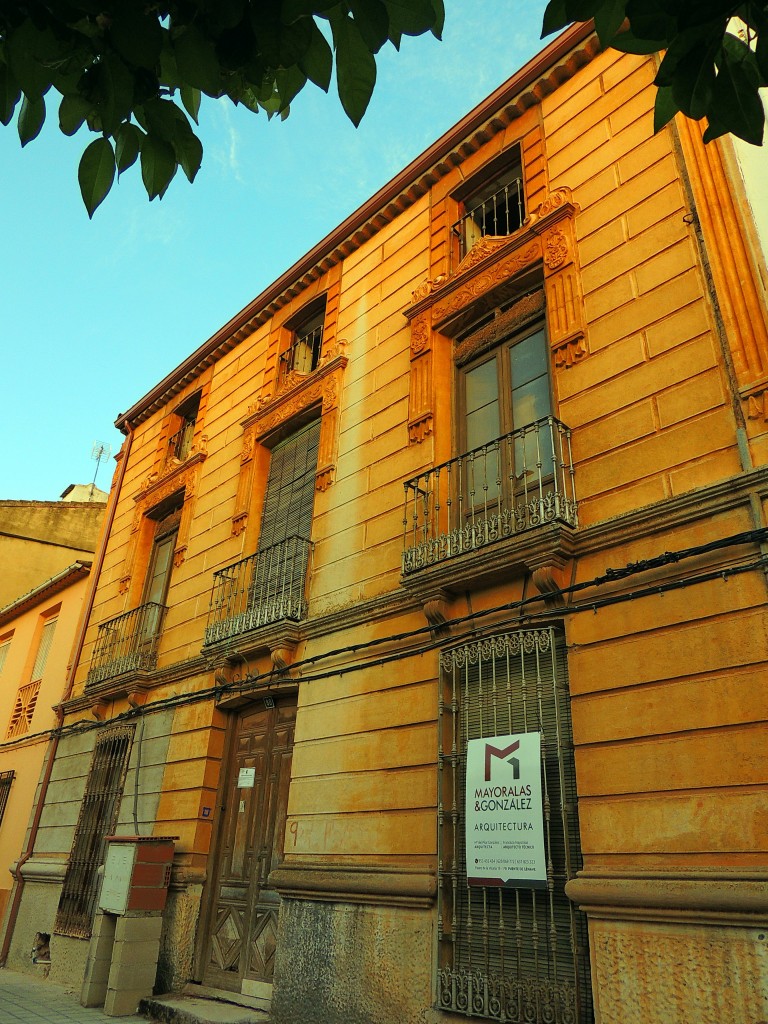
pixel 243 930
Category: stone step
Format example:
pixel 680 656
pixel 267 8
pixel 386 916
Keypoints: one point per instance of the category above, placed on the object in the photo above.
pixel 199 1005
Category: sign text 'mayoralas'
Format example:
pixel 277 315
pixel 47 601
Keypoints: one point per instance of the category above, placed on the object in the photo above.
pixel 503 798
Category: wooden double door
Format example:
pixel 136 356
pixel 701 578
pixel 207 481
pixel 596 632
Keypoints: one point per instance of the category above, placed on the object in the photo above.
pixel 242 922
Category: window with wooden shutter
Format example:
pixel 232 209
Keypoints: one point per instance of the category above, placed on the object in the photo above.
pixel 5 646
pixel 280 568
pixel 512 954
pixel 26 698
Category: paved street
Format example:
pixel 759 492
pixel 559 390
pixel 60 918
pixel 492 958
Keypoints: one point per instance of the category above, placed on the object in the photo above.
pixel 30 1000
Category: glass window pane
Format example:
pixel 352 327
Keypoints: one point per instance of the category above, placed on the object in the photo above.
pixel 481 385
pixel 530 402
pixel 528 358
pixel 483 426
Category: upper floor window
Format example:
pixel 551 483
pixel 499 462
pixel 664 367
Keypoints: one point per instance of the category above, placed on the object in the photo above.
pixel 5 646
pixel 493 202
pixel 185 416
pixel 306 341
pixel 6 780
pixel 167 519
pixel 26 697
pixel 506 401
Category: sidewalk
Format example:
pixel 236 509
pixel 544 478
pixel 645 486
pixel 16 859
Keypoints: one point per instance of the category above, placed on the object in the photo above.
pixel 25 999
pixel 28 1000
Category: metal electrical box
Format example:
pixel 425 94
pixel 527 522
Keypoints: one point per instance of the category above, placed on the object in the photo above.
pixel 137 871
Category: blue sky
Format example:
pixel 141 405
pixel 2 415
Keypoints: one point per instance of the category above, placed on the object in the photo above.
pixel 94 313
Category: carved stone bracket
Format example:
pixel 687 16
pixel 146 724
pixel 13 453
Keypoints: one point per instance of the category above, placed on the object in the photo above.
pixel 436 611
pixel 756 400
pixel 554 222
pixel 283 653
pixel 549 573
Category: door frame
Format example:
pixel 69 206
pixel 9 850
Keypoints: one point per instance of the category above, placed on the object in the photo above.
pixel 234 707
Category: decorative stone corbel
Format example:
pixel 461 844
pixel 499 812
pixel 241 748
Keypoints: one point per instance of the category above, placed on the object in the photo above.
pixel 420 418
pixel 554 222
pixel 99 710
pixel 550 577
pixel 283 653
pixel 435 608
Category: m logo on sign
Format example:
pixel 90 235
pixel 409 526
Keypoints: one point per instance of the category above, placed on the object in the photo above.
pixel 502 753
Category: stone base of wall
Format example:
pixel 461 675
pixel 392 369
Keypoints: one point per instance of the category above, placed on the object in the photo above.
pixel 177 945
pixel 689 950
pixel 343 963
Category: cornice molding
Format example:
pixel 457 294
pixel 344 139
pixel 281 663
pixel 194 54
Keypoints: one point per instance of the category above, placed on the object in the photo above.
pixel 373 883
pixel 716 896
pixel 541 76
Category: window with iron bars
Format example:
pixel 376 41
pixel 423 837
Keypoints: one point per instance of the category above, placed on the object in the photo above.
pixel 6 780
pixel 510 954
pixel 97 819
pixel 493 202
pixel 303 352
pixel 180 442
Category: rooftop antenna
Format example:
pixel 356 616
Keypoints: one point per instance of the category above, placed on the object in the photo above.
pixel 100 452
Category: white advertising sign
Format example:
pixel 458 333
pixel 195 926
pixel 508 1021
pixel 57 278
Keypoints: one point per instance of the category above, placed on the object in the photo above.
pixel 504 812
pixel 246 778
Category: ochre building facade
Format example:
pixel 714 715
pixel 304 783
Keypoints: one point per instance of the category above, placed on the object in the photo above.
pixel 488 461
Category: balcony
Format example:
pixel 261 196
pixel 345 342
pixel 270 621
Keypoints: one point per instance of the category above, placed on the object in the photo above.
pixel 498 214
pixel 127 643
pixel 264 588
pixel 518 483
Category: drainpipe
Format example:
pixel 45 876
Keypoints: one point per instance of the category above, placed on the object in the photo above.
pixel 18 888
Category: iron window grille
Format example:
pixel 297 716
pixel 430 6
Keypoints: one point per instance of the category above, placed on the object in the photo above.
pixel 495 207
pixel 6 781
pixel 306 345
pixel 510 954
pixel 180 442
pixel 97 819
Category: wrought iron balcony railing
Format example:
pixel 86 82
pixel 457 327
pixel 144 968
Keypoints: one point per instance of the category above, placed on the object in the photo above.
pixel 500 214
pixel 518 482
pixel 269 586
pixel 127 643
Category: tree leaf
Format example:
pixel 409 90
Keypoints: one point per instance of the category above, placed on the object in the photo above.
pixel 694 80
pixel 10 94
pixel 96 173
pixel 317 62
pixel 355 68
pixel 290 82
pixel 191 97
pixel 27 49
pixel 555 17
pixel 189 152
pixel 410 17
pixel 73 110
pixel 372 21
pixel 664 108
pixel 652 19
pixel 437 29
pixel 128 140
pixel 136 34
pixel 609 18
pixel 158 165
pixel 31 118
pixel 736 100
pixel 628 42
pixel 115 84
pixel 197 61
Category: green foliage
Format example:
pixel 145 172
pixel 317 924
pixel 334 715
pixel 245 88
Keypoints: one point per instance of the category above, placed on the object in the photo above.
pixel 713 65
pixel 134 73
